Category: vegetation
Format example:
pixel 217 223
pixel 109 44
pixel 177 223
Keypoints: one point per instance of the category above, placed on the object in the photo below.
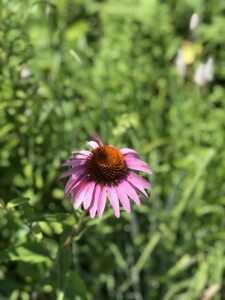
pixel 69 68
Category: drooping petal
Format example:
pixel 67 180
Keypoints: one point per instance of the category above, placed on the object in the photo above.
pixel 136 184
pixel 72 183
pixel 83 152
pixel 73 162
pixel 79 197
pixel 94 202
pixel 78 170
pixel 127 150
pixel 89 195
pixel 113 199
pixel 79 156
pixel 131 155
pixel 122 196
pixel 101 202
pixel 130 191
pixel 93 144
pixel 135 160
pixel 140 180
pixel 138 167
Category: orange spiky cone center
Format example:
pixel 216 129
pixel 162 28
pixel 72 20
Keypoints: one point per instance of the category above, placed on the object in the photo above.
pixel 106 165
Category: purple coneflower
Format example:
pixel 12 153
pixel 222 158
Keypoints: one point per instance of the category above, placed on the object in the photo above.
pixel 105 172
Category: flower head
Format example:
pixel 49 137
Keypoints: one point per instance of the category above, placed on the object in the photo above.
pixel 180 63
pixel 105 173
pixel 204 73
pixel 194 21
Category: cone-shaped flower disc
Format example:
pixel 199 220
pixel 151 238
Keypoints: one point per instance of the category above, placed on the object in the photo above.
pixel 104 173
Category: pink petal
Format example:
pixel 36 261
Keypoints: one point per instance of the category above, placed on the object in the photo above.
pixel 94 202
pixel 73 162
pixel 93 144
pixel 84 152
pixel 80 193
pixel 136 184
pixel 131 155
pixel 127 150
pixel 130 191
pixel 72 183
pixel 138 167
pixel 113 199
pixel 69 183
pixel 101 202
pixel 123 199
pixel 89 195
pixel 139 180
pixel 134 160
pixel 79 156
pixel 78 170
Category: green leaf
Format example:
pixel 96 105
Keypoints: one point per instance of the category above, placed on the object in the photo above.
pixel 75 286
pixel 17 202
pixel 147 252
pixel 64 261
pixel 182 264
pixel 2 204
pixel 119 259
pixel 75 56
pixel 5 130
pixel 58 217
pixel 175 288
pixel 188 192
pixel 30 252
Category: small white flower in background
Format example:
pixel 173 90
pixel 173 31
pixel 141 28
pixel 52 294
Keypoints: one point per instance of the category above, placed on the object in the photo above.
pixel 209 69
pixel 28 112
pixel 180 63
pixel 194 21
pixel 25 72
pixel 204 73
pixel 199 76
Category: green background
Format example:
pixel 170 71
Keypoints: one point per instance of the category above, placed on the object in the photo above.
pixel 69 68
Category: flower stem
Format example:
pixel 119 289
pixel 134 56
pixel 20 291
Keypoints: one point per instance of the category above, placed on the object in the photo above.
pixel 75 230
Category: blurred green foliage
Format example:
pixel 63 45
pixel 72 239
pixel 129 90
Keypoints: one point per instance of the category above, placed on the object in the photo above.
pixel 72 67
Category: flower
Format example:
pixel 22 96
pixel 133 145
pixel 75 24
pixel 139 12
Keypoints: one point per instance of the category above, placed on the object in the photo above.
pixel 199 76
pixel 180 63
pixel 105 173
pixel 209 70
pixel 204 73
pixel 25 72
pixel 194 22
pixel 186 56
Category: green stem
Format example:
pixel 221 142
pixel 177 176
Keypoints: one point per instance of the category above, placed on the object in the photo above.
pixel 75 230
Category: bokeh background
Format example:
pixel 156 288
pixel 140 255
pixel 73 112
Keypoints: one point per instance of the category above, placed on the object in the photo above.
pixel 69 68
